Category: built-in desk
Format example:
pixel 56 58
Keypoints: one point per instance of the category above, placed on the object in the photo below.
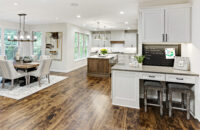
pixel 126 84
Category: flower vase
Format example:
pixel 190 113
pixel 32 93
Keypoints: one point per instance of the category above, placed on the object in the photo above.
pixel 139 65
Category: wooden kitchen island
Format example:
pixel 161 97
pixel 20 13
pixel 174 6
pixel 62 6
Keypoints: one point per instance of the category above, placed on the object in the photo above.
pixel 101 66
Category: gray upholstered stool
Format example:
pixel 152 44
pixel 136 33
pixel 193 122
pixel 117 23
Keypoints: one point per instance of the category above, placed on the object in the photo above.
pixel 184 89
pixel 154 85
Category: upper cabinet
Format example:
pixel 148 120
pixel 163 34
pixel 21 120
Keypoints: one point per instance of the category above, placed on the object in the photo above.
pixel 166 25
pixel 153 25
pixel 178 25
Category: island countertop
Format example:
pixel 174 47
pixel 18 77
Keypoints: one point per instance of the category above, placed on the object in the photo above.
pixel 109 56
pixel 152 69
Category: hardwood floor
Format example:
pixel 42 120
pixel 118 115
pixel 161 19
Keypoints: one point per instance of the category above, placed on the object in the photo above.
pixel 83 103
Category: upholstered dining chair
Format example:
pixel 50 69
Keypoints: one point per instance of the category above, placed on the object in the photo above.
pixel 9 72
pixel 2 57
pixel 42 71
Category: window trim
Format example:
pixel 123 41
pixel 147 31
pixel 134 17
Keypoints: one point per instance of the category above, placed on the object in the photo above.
pixel 84 46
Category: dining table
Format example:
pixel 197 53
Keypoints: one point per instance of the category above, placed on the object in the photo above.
pixel 26 67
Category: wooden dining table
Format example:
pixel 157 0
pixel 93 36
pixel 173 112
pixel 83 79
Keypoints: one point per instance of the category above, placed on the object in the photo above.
pixel 26 67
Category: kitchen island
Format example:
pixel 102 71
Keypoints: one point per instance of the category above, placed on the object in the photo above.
pixel 100 66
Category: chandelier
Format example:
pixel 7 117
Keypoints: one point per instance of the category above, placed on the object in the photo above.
pixel 22 35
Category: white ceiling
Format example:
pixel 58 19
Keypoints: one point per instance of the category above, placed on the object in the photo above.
pixel 107 12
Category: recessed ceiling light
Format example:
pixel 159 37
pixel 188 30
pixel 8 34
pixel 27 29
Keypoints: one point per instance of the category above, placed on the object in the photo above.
pixel 125 22
pixel 15 4
pixel 78 16
pixel 121 12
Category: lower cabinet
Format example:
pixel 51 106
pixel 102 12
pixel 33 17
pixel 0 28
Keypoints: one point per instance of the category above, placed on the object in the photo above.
pixel 125 89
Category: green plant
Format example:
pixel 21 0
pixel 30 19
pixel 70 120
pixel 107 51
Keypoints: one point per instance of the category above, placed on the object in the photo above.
pixel 104 51
pixel 140 59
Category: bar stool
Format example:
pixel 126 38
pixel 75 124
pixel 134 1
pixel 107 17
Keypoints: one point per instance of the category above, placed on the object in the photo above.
pixel 154 85
pixel 184 89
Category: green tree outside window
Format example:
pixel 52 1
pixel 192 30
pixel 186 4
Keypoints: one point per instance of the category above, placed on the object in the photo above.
pixel 10 47
pixel 37 46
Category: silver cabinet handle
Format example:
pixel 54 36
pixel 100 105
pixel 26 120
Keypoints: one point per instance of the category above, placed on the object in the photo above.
pixel 151 76
pixel 163 37
pixel 166 40
pixel 179 78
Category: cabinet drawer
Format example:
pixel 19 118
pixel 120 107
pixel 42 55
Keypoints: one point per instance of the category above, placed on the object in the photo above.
pixel 181 79
pixel 153 76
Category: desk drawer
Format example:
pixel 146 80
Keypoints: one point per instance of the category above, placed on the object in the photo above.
pixel 181 79
pixel 153 76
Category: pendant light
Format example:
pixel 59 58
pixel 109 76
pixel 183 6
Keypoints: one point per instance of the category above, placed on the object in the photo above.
pixel 98 35
pixel 22 35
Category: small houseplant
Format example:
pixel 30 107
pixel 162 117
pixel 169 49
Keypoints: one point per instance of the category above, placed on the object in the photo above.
pixel 140 60
pixel 104 51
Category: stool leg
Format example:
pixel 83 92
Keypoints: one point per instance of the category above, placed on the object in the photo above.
pixel 182 100
pixel 161 102
pixel 145 99
pixel 170 103
pixel 159 97
pixel 188 105
pixel 167 94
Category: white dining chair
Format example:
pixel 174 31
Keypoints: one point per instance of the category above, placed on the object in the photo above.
pixel 2 57
pixel 9 72
pixel 42 71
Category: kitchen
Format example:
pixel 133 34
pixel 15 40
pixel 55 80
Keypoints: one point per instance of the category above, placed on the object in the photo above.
pixel 162 36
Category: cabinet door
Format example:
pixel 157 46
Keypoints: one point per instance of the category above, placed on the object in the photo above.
pixel 125 89
pixel 178 24
pixel 153 25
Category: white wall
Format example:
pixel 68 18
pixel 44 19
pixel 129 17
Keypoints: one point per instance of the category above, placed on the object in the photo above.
pixel 68 63
pixel 56 65
pixel 71 63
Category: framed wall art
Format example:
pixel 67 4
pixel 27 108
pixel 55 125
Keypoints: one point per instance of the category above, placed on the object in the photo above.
pixel 53 46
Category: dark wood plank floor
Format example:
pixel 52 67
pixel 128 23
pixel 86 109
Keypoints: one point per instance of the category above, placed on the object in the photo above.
pixel 83 103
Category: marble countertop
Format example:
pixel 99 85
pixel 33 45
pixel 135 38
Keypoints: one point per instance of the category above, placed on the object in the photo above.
pixel 152 69
pixel 109 56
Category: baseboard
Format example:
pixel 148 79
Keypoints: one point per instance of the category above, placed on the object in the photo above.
pixel 69 70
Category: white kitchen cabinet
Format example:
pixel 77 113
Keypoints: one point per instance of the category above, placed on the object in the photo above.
pixel 153 25
pixel 178 25
pixel 130 39
pixel 169 24
pixel 125 89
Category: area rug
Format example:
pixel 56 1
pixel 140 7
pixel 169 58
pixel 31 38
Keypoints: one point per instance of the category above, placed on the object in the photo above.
pixel 19 92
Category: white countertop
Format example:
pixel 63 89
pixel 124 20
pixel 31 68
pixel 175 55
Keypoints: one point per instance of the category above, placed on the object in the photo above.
pixel 109 56
pixel 152 69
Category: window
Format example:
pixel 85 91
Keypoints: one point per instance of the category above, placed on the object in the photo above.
pixel 37 46
pixel 81 46
pixel 10 47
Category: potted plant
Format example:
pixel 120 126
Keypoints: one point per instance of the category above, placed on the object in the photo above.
pixel 104 51
pixel 140 60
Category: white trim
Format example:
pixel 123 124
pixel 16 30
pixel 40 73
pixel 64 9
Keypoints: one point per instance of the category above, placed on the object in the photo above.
pixel 67 71
pixel 167 6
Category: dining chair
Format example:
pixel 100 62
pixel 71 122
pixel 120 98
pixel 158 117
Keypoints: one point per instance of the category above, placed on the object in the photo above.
pixel 2 57
pixel 43 70
pixel 9 72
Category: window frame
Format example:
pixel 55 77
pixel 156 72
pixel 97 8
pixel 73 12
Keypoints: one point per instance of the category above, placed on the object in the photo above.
pixel 37 46
pixel 79 58
pixel 11 45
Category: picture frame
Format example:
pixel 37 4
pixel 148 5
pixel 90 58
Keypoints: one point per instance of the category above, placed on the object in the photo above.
pixel 53 45
pixel 181 63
